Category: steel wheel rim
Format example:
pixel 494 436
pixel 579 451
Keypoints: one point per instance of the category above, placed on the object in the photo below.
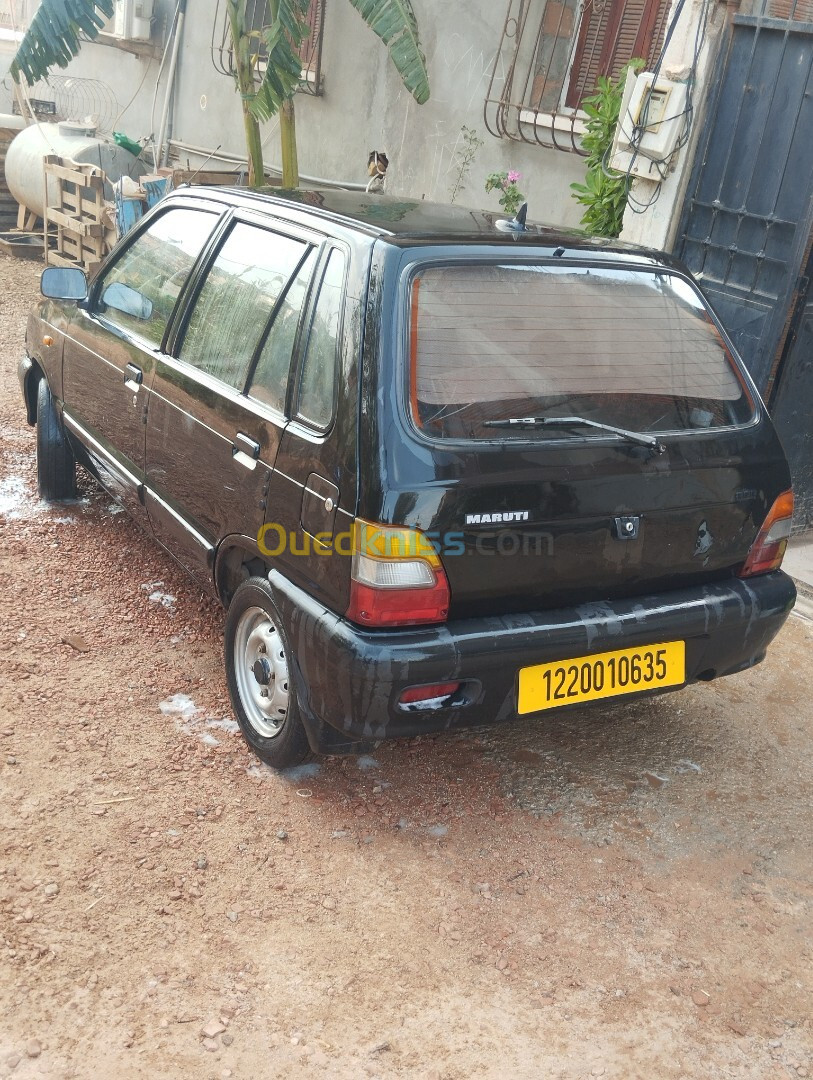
pixel 261 671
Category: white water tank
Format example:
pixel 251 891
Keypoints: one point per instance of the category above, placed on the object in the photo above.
pixel 25 174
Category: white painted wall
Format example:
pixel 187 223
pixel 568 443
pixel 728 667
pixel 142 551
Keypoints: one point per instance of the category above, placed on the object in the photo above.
pixel 364 106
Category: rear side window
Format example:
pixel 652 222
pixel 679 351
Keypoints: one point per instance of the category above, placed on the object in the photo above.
pixel 138 292
pixel 269 383
pixel 235 303
pixel 630 348
pixel 317 386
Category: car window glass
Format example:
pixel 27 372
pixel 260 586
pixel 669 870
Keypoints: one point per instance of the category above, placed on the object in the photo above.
pixel 139 291
pixel 318 380
pixel 627 347
pixel 236 301
pixel 270 381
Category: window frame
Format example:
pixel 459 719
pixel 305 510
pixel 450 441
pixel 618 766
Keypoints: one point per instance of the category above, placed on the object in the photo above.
pixel 302 423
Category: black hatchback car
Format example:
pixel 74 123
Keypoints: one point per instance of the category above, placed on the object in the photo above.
pixel 438 472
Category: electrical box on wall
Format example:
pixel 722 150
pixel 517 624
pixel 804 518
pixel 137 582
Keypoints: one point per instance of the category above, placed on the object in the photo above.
pixel 133 20
pixel 652 119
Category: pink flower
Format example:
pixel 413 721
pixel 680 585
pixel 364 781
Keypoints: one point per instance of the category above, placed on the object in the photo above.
pixel 513 176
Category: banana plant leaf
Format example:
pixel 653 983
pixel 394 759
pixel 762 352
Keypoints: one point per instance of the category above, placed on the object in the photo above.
pixel 52 39
pixel 395 23
pixel 283 67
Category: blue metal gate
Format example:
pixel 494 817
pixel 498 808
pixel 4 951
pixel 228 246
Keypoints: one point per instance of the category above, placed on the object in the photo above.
pixel 748 215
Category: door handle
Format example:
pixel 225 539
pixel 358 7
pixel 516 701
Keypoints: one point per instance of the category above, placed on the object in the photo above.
pixel 133 377
pixel 245 450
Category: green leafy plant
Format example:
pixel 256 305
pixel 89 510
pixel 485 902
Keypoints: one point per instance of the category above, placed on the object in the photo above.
pixel 463 158
pixel 604 191
pixel 511 198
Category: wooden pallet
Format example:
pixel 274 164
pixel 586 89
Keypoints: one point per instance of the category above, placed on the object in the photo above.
pixel 8 205
pixel 73 214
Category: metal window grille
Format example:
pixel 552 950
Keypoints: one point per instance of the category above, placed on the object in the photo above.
pixel 550 56
pixel 310 51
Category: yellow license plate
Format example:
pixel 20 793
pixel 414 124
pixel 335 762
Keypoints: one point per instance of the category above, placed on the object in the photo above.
pixel 602 675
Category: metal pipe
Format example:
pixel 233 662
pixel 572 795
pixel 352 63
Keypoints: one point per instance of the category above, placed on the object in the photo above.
pixel 162 129
pixel 234 159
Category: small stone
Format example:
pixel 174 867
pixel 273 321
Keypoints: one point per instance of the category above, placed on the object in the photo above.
pixel 232 916
pixel 701 998
pixel 13 1060
pixel 28 915
pixel 282 834
pixel 329 903
pixel 227 1038
pixel 212 1028
pixel 201 863
pixel 210 1045
pixel 597 1070
pixel 176 894
pixel 654 780
pixel 76 642
pixel 52 889
pixel 33 1048
pixel 11 760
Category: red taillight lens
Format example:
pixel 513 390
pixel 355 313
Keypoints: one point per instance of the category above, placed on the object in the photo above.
pixel 428 693
pixel 396 579
pixel 768 549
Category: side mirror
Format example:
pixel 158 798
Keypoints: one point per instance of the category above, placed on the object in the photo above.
pixel 127 300
pixel 64 283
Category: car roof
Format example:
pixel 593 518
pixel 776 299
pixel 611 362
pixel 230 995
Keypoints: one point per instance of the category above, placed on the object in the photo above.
pixel 404 222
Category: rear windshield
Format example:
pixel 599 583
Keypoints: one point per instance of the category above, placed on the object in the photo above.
pixel 631 348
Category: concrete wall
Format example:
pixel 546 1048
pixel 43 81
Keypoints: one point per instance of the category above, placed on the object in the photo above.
pixel 364 106
pixel 657 226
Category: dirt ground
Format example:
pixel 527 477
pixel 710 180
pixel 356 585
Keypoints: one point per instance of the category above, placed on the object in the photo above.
pixel 620 893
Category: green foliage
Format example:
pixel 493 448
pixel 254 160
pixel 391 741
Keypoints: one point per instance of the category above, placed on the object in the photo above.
pixel 511 198
pixel 282 37
pixel 395 23
pixel 463 158
pixel 52 39
pixel 604 191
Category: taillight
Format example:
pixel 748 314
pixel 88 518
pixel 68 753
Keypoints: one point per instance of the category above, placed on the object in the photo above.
pixel 768 549
pixel 396 578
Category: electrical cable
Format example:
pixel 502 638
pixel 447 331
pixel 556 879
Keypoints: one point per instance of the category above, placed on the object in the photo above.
pixel 663 165
pixel 114 125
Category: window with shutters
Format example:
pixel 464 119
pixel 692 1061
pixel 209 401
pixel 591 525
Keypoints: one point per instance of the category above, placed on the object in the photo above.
pixel 551 55
pixel 310 51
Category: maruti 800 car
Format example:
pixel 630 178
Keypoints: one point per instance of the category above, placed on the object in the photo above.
pixel 439 473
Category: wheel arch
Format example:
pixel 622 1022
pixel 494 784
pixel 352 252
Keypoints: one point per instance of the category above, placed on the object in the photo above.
pixel 237 558
pixel 31 381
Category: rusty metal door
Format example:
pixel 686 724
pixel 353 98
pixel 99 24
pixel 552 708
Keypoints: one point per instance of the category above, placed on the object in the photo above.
pixel 747 217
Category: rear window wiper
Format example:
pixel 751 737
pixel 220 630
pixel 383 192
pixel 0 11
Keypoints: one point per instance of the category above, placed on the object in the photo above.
pixel 579 421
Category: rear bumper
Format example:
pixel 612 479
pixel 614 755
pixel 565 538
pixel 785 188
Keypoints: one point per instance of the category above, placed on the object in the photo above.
pixel 348 680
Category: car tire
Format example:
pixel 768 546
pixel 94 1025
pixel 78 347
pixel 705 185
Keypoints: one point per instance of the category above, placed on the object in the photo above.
pixel 258 663
pixel 56 464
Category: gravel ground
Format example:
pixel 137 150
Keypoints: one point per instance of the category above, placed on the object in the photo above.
pixel 619 893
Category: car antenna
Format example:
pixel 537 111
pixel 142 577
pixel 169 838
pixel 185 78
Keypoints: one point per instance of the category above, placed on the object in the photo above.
pixel 516 224
pixel 188 183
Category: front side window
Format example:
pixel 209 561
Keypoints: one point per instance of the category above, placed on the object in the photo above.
pixel 235 303
pixel 139 291
pixel 317 385
pixel 635 349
